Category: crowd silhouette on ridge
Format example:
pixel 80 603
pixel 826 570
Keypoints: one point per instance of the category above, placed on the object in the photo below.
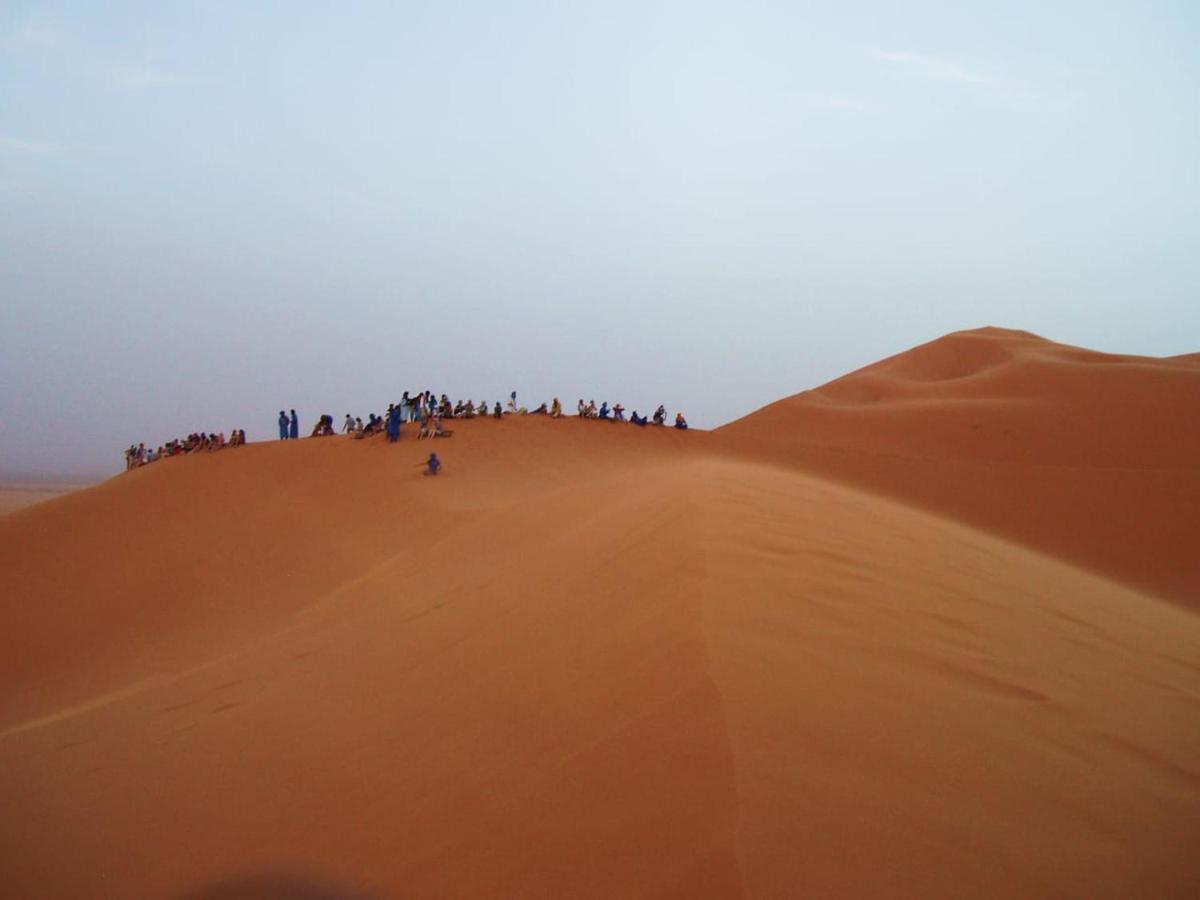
pixel 139 454
pixel 422 408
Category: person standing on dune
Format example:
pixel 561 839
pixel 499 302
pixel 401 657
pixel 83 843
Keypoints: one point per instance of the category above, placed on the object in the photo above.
pixel 283 425
pixel 393 423
pixel 294 426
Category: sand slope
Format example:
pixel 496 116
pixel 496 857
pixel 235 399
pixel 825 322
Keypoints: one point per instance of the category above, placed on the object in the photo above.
pixel 590 661
pixel 1084 455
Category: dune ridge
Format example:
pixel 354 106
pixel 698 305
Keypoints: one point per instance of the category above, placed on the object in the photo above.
pixel 1089 456
pixel 594 660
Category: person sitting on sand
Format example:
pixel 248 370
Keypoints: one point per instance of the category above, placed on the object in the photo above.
pixel 556 409
pixel 497 412
pixel 618 413
pixel 660 415
pixel 433 465
pixel 590 412
pixel 603 413
pixel 541 411
pixel 582 413
pixel 680 421
pixel 636 419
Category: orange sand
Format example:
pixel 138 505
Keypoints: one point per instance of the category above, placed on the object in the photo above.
pixel 1087 456
pixel 593 660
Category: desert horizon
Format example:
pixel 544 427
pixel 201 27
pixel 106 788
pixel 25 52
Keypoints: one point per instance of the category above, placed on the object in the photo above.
pixel 928 629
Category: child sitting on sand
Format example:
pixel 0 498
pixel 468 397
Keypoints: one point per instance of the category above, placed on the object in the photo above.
pixel 680 421
pixel 433 464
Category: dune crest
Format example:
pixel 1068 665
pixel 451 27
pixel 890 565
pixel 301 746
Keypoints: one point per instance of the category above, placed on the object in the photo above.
pixel 1090 456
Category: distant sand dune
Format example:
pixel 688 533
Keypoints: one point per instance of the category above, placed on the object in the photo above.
pixel 593 660
pixel 1084 455
pixel 16 495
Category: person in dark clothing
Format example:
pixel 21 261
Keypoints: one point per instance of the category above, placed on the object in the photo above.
pixel 680 422
pixel 660 415
pixel 497 412
pixel 283 425
pixel 393 424
pixel 433 465
pixel 294 426
pixel 636 419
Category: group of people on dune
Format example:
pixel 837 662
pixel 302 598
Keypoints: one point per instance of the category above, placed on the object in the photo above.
pixel 422 407
pixel 139 455
pixel 427 409
pixel 616 413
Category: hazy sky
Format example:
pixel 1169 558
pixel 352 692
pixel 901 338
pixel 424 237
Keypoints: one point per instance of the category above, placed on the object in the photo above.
pixel 209 211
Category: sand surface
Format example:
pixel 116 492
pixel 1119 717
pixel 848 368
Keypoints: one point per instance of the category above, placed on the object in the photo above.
pixel 592 660
pixel 1088 456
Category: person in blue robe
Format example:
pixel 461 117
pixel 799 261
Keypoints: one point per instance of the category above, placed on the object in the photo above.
pixel 283 425
pixel 393 424
pixel 294 426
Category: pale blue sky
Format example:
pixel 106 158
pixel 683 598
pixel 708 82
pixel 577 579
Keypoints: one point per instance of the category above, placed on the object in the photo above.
pixel 209 212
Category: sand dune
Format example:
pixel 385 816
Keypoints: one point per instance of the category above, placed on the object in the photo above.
pixel 1084 455
pixel 598 661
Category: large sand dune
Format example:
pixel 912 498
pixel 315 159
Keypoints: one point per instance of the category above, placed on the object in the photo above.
pixel 1088 456
pixel 599 661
